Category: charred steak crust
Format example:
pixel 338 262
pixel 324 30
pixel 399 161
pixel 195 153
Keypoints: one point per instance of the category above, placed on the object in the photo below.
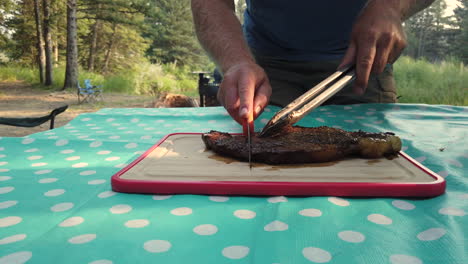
pixel 304 145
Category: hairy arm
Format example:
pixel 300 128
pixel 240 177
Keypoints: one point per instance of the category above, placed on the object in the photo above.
pixel 245 89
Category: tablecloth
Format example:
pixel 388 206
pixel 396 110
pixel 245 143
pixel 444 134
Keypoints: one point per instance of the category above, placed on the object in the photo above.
pixel 56 203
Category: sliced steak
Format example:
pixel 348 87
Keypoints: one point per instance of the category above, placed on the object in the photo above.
pixel 304 145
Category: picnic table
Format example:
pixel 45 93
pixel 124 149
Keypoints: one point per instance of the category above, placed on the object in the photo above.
pixel 57 206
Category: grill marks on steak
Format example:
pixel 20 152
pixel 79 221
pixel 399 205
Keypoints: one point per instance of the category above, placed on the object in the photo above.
pixel 304 145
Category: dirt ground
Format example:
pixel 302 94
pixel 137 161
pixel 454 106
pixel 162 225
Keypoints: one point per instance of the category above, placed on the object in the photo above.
pixel 19 100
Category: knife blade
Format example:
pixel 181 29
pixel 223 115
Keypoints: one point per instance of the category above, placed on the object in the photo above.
pixel 248 127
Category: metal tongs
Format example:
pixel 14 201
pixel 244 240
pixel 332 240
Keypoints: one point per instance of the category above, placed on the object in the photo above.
pixel 307 102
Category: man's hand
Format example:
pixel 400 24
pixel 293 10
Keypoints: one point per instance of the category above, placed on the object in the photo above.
pixel 377 38
pixel 245 90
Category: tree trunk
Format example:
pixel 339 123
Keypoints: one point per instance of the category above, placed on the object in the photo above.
pixel 48 43
pixel 56 52
pixel 71 72
pixel 109 49
pixel 40 44
pixel 92 47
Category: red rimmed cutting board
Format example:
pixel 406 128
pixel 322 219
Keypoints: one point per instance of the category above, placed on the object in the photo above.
pixel 179 163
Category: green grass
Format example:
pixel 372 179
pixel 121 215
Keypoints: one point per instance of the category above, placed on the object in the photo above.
pixel 419 81
pixel 149 79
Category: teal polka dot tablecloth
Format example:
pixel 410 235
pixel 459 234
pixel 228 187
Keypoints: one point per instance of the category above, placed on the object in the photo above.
pixel 57 206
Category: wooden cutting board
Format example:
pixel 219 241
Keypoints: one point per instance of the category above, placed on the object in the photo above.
pixel 180 163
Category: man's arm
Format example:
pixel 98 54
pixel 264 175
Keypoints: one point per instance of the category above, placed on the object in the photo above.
pixel 378 38
pixel 245 88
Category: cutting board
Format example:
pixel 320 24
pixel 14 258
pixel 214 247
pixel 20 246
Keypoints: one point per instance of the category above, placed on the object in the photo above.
pixel 180 163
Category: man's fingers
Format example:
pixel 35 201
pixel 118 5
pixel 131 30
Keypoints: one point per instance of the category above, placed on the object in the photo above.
pixel 364 61
pixel 349 57
pixel 384 47
pixel 246 89
pixel 262 96
pixel 228 97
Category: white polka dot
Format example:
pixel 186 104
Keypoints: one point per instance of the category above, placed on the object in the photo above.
pixel 81 239
pixel 48 180
pixel 276 226
pixel 121 165
pixel 85 136
pixel 80 165
pixel 106 194
pixel 135 120
pixel 146 137
pixel 277 199
pixel 455 163
pixel 31 150
pixel 67 151
pixel 7 189
pixel 320 119
pixel 5 178
pixel 73 158
pixel 114 137
pixel 245 214
pixel 310 212
pixel 3 163
pixel 101 261
pixel 72 221
pixel 379 219
pixel 55 192
pixel 131 145
pixel 316 255
pixel 120 209
pixel 157 246
pixel 39 164
pixel 85 119
pixel 137 223
pixel 27 141
pixel 182 211
pixel 7 204
pixel 338 201
pixel 449 211
pixel 420 159
pixel 235 252
pixel 112 158
pixel 403 205
pixel 110 119
pixel 161 197
pixel 96 182
pixel 35 157
pixel 219 198
pixel 443 173
pixel 349 121
pixel 39 172
pixel 61 142
pixel 95 144
pixel 12 239
pixel 2 155
pixel 16 258
pixel 4 170
pixel 351 236
pixel 463 196
pixel 88 172
pixel 404 259
pixel 10 221
pixel 205 230
pixel 431 234
pixel 104 152
pixel 62 207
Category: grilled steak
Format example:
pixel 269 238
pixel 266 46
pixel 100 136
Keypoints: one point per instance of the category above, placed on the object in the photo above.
pixel 304 145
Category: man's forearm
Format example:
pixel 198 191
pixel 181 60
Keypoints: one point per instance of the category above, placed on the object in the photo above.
pixel 220 32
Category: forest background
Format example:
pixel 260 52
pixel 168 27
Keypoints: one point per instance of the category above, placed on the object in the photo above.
pixel 146 47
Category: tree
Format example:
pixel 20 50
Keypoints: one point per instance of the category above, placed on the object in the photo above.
pixel 48 43
pixel 71 71
pixel 461 39
pixel 40 42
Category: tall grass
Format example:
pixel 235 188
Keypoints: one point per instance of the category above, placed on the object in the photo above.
pixel 419 81
pixel 145 78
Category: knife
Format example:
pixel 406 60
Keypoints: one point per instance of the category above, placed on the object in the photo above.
pixel 248 127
